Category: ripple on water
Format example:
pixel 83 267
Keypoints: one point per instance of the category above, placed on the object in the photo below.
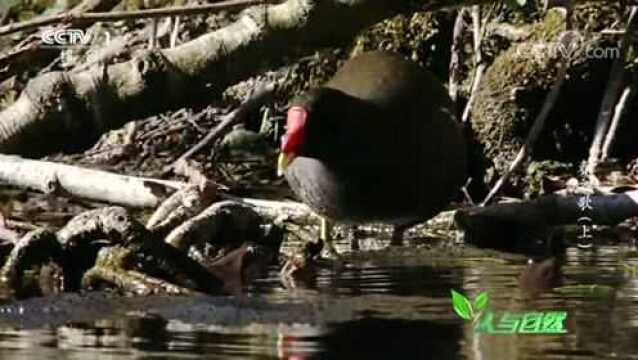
pixel 378 305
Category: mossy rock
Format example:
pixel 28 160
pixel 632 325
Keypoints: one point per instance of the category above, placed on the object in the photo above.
pixel 538 171
pixel 418 36
pixel 313 70
pixel 599 16
pixel 423 37
pixel 514 88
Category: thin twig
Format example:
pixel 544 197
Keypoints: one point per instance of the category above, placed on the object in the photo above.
pixel 152 39
pixel 455 58
pixel 175 32
pixel 614 85
pixel 466 193
pixel 478 61
pixel 476 31
pixel 611 134
pixel 255 101
pixel 613 32
pixel 92 17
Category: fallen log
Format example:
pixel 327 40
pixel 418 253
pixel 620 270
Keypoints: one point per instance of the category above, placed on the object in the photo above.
pixel 554 210
pixel 49 177
pixel 104 186
pixel 287 210
pixel 530 225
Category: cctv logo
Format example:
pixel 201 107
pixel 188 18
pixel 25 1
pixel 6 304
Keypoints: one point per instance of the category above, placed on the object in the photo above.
pixel 67 37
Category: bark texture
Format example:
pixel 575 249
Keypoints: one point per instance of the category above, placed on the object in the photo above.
pixel 82 183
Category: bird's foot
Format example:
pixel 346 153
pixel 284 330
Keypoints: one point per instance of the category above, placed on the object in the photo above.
pixel 354 245
pixel 285 275
pixel 330 252
pixel 353 238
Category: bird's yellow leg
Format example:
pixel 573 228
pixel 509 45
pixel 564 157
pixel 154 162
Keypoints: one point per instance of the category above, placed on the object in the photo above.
pixel 325 234
pixel 397 235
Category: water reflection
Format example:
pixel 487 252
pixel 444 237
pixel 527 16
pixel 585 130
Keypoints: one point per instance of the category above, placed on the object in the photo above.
pixel 393 306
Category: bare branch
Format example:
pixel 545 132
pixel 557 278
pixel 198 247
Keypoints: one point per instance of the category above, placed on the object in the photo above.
pixel 254 102
pixel 83 18
pixel 83 183
pixel 616 79
pixel 478 61
pixel 456 52
pixel 611 134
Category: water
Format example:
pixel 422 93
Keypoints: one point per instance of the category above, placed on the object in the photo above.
pixel 388 304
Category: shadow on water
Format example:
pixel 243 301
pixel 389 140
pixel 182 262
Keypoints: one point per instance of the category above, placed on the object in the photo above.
pixel 392 303
pixel 400 339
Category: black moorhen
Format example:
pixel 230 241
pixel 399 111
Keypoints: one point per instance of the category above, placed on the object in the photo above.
pixel 377 143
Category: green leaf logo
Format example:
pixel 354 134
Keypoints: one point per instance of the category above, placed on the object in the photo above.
pixel 463 307
pixel 481 301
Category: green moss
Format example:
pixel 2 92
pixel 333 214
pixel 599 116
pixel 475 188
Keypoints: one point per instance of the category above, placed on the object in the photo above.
pixel 498 114
pixel 422 37
pixel 594 17
pixel 551 26
pixel 406 34
pixel 514 88
pixel 410 35
pixel 538 171
pixel 311 71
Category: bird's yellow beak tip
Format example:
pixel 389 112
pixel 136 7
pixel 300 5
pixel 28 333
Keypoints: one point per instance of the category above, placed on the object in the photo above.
pixel 283 161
